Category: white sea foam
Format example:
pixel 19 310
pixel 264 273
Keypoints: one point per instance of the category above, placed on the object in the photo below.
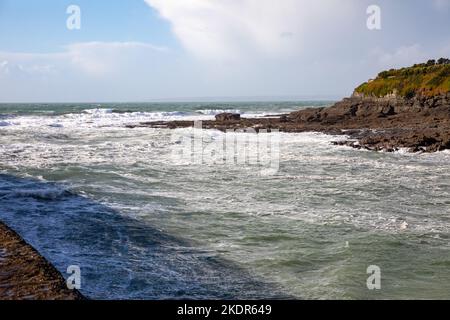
pixel 96 118
pixel 321 196
pixel 106 117
pixel 213 112
pixel 318 163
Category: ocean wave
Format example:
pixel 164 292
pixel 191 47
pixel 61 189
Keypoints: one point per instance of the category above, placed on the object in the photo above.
pixel 5 123
pixel 39 194
pixel 126 114
pixel 98 111
pixel 116 112
pixel 213 112
pixel 97 118
pixel 109 117
pixel 6 116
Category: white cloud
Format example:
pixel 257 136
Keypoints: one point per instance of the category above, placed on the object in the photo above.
pixel 93 58
pixel 236 48
pixel 100 58
pixel 4 67
pixel 26 64
pixel 234 28
pixel 86 71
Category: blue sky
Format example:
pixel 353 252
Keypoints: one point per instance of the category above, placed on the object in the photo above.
pixel 39 26
pixel 140 50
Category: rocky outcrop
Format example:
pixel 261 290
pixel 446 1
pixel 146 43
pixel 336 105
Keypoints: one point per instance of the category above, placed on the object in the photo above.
pixel 426 140
pixel 373 112
pixel 421 123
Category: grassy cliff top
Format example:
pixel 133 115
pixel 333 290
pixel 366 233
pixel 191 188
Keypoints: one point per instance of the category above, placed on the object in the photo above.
pixel 426 79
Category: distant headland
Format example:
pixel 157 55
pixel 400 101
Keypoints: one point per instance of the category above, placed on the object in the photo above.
pixel 401 108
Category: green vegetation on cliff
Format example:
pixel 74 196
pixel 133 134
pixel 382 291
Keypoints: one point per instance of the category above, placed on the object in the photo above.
pixel 426 79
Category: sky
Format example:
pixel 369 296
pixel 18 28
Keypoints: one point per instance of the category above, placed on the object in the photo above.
pixel 145 50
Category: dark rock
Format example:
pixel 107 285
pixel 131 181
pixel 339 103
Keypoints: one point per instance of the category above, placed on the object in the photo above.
pixel 228 117
pixel 284 118
pixel 420 124
pixel 308 115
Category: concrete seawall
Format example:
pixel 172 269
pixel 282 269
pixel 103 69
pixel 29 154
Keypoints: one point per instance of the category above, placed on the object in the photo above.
pixel 26 275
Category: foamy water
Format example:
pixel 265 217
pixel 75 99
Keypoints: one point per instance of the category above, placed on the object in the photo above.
pixel 94 193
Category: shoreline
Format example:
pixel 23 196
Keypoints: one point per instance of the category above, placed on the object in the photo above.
pixel 26 275
pixel 419 124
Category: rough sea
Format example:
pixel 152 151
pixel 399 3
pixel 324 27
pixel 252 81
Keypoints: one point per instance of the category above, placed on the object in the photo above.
pixel 85 190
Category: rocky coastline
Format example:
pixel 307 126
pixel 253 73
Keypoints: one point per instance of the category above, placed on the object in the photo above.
pixel 419 124
pixel 26 275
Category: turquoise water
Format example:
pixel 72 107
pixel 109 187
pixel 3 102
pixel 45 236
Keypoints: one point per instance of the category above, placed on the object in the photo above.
pixel 84 189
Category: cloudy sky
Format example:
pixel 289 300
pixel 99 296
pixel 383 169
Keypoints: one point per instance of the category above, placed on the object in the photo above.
pixel 142 50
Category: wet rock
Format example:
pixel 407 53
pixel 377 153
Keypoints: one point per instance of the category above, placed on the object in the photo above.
pixel 419 124
pixel 284 118
pixel 228 117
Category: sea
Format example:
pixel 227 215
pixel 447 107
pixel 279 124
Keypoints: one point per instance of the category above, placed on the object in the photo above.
pixel 86 189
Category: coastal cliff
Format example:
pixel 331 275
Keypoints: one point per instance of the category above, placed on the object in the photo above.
pixel 405 108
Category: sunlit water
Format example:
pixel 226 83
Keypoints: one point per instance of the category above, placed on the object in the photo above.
pixel 84 189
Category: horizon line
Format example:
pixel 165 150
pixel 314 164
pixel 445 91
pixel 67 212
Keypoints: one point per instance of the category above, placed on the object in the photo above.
pixel 275 98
